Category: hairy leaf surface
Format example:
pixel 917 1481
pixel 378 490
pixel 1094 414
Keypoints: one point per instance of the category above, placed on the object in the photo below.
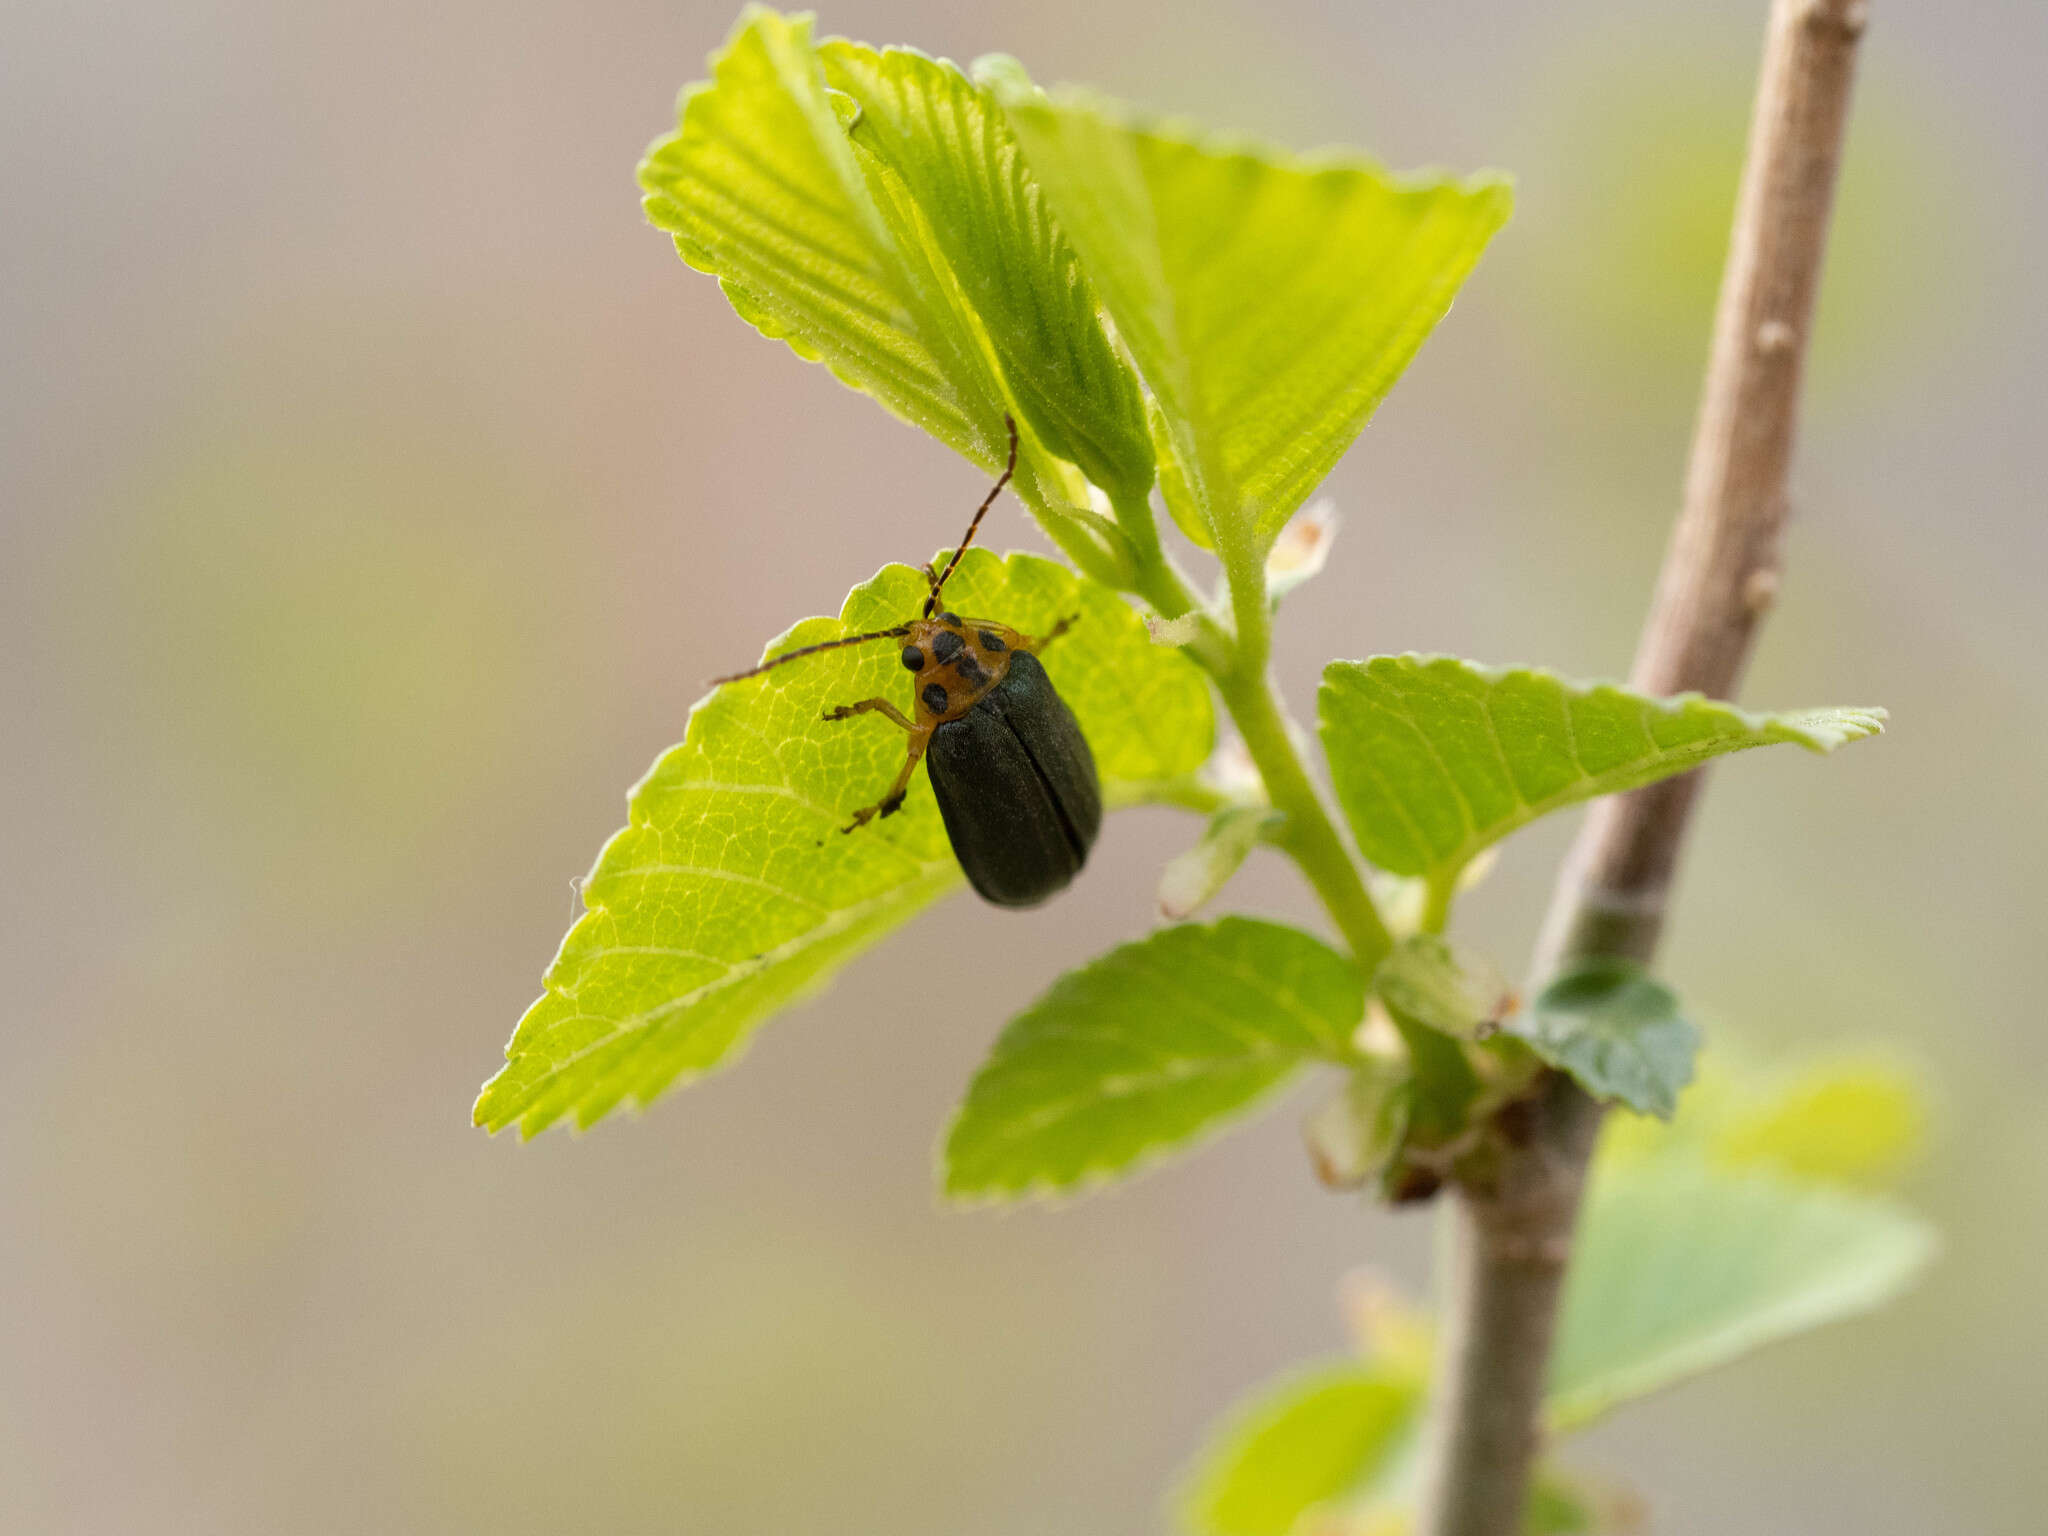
pixel 926 128
pixel 732 891
pixel 1435 758
pixel 1618 1031
pixel 1270 300
pixel 1144 1049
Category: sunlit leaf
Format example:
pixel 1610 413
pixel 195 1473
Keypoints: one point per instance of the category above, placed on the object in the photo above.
pixel 760 188
pixel 1435 758
pixel 1269 300
pixel 1679 1268
pixel 732 891
pixel 1854 1119
pixel 1145 1049
pixel 1318 1435
pixel 826 189
pixel 924 124
pixel 1618 1031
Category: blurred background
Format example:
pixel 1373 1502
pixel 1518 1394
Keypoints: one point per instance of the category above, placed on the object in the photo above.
pixel 378 491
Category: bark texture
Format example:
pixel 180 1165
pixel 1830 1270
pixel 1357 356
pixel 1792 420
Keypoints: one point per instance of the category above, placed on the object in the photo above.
pixel 1512 1239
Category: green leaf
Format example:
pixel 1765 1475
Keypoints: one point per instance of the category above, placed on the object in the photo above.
pixel 1680 1268
pixel 828 247
pixel 1332 1448
pixel 1269 300
pixel 945 142
pixel 1143 1050
pixel 760 188
pixel 1319 1435
pixel 731 892
pixel 1854 1119
pixel 1425 981
pixel 1618 1031
pixel 1844 1120
pixel 1435 758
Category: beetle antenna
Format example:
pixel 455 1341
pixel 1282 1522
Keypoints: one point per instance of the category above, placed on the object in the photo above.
pixel 811 650
pixel 931 604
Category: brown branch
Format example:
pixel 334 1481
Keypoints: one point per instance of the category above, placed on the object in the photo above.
pixel 1720 573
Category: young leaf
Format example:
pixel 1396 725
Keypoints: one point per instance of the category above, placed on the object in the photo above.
pixel 760 188
pixel 1435 758
pixel 1322 1434
pixel 1192 878
pixel 1618 1031
pixel 1355 1133
pixel 732 890
pixel 946 143
pixel 1427 982
pixel 1680 1268
pixel 1141 1051
pixel 826 246
pixel 1270 300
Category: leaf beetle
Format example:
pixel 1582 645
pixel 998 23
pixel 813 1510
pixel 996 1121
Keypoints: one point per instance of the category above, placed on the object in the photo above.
pixel 1015 781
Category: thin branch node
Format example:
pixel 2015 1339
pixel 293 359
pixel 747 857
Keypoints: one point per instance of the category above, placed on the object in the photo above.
pixel 1760 590
pixel 1775 338
pixel 1832 16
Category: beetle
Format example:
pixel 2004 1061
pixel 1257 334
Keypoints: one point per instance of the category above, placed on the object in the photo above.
pixel 1015 781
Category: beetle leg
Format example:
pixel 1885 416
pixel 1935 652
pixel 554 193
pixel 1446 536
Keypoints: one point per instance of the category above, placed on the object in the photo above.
pixel 879 706
pixel 892 802
pixel 1035 646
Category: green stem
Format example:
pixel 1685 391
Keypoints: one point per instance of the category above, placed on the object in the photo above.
pixel 1436 901
pixel 1308 835
pixel 1247 691
pixel 1238 664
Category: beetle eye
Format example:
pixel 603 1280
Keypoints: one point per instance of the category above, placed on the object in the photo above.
pixel 913 658
pixel 950 619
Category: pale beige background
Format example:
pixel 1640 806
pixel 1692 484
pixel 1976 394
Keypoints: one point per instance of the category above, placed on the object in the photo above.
pixel 377 492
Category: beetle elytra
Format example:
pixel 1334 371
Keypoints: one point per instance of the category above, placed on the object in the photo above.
pixel 1015 781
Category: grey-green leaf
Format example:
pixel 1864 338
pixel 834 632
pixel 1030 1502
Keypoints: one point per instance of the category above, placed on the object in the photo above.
pixel 1618 1031
pixel 1680 1268
pixel 1269 300
pixel 731 892
pixel 1435 758
pixel 1143 1050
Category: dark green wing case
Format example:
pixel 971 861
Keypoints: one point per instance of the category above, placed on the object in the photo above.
pixel 1016 785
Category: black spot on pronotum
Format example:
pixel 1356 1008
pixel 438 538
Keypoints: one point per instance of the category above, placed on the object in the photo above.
pixel 935 698
pixel 990 640
pixel 913 658
pixel 969 670
pixel 946 645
